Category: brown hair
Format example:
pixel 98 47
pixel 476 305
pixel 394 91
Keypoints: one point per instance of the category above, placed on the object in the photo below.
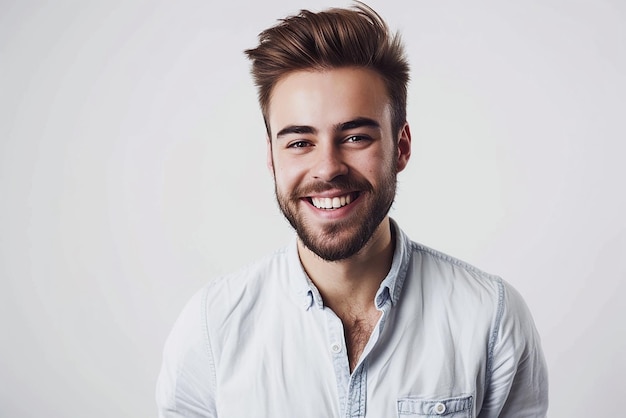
pixel 334 38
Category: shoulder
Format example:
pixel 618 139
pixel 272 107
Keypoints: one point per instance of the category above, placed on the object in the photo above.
pixel 222 296
pixel 489 315
pixel 246 285
pixel 446 282
pixel 188 372
pixel 443 270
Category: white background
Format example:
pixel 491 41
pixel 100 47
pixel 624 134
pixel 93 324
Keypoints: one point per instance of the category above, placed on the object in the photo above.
pixel 132 171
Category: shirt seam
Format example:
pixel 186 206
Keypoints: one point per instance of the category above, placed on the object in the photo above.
pixel 495 332
pixel 453 260
pixel 208 346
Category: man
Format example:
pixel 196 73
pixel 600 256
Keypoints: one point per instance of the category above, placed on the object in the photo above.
pixel 352 319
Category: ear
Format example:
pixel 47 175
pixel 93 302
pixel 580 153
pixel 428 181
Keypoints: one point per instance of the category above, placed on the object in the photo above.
pixel 404 147
pixel 269 158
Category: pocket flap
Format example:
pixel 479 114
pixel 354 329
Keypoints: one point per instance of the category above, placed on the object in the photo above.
pixel 456 407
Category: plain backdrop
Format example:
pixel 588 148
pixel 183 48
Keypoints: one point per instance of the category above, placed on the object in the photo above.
pixel 132 171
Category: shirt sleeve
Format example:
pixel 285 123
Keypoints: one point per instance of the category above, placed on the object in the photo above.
pixel 186 383
pixel 518 384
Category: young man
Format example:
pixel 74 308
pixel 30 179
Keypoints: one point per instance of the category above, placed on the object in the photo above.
pixel 353 319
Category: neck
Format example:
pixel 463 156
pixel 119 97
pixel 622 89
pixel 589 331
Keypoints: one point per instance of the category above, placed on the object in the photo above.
pixel 352 283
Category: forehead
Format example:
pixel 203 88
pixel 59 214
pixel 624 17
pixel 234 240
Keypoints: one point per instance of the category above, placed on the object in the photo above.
pixel 327 97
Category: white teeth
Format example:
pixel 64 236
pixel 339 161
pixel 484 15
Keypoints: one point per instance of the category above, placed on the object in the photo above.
pixel 331 203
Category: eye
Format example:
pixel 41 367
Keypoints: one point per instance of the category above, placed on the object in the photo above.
pixel 356 138
pixel 298 144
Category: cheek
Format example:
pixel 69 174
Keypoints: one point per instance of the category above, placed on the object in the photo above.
pixel 285 176
pixel 376 163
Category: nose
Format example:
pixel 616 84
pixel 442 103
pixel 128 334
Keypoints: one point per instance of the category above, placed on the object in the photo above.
pixel 329 163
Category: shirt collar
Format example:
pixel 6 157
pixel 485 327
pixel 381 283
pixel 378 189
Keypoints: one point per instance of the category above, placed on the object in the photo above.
pixel 391 286
pixel 307 295
pixel 303 289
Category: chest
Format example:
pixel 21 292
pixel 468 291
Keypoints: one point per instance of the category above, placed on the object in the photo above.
pixel 357 332
pixel 301 365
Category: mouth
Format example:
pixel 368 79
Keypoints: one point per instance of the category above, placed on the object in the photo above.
pixel 333 203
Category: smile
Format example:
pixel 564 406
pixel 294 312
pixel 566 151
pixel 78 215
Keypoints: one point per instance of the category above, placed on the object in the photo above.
pixel 330 203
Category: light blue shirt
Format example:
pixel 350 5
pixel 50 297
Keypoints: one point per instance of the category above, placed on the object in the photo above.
pixel 452 341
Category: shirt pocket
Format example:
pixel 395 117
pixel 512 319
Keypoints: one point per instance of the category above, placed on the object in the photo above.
pixel 457 407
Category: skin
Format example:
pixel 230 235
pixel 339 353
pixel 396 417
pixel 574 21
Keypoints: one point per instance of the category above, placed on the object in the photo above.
pixel 331 136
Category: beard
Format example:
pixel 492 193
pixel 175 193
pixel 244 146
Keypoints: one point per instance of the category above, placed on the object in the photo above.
pixel 338 240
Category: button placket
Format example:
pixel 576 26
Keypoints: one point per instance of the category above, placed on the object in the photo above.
pixel 338 356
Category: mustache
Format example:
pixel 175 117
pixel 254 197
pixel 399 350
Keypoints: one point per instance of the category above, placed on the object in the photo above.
pixel 347 184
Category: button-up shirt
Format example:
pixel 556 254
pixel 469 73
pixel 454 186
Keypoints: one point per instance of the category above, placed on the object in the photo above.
pixel 451 341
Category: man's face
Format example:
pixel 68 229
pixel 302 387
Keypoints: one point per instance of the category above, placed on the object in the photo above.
pixel 334 157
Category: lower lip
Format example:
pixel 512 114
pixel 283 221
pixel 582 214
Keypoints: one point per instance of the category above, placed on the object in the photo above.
pixel 334 214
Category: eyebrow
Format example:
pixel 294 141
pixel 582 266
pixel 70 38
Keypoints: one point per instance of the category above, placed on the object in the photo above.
pixel 344 126
pixel 296 129
pixel 357 123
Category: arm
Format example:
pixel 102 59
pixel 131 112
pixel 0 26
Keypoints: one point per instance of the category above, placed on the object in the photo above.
pixel 186 383
pixel 518 384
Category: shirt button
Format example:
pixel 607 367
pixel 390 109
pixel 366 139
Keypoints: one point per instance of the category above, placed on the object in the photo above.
pixel 335 347
pixel 440 408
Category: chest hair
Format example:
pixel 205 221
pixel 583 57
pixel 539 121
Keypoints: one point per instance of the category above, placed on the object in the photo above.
pixel 358 331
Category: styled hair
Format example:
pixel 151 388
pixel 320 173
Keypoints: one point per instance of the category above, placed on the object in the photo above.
pixel 334 38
